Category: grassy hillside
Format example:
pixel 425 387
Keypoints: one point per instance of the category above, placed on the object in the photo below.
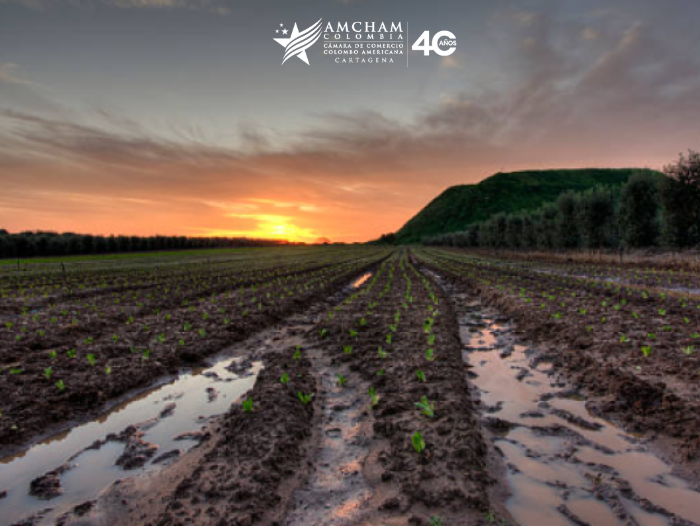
pixel 459 206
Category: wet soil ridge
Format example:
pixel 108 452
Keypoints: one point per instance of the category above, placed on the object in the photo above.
pixel 636 350
pixel 68 358
pixel 258 456
pixel 384 336
pixel 630 273
pixel 563 464
pixel 237 481
pixel 335 481
pixel 142 434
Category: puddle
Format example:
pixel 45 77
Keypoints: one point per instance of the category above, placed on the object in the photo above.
pixel 361 280
pixel 336 492
pixel 197 395
pixel 177 408
pixel 564 466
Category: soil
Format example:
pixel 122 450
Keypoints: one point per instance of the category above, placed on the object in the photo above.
pixel 33 405
pixel 377 413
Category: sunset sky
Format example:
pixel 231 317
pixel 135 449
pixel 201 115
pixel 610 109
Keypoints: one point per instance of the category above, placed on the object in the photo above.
pixel 177 116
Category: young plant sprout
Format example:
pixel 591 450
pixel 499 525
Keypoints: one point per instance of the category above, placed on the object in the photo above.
pixel 247 405
pixel 284 379
pixel 427 408
pixel 373 397
pixel 342 380
pixel 305 398
pixel 418 442
pixel 420 375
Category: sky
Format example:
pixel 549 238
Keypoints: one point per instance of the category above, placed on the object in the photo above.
pixel 177 117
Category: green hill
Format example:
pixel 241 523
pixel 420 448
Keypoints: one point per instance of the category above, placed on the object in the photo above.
pixel 459 206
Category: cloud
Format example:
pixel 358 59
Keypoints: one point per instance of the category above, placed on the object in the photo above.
pixel 216 6
pixel 450 62
pixel 625 97
pixel 19 92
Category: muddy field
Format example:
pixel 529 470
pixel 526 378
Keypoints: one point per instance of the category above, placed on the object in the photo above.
pixel 349 386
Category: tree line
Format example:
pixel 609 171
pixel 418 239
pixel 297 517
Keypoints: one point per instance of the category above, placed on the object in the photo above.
pixel 42 244
pixel 650 210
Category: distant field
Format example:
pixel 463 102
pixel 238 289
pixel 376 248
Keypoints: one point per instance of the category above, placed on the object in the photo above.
pixel 202 252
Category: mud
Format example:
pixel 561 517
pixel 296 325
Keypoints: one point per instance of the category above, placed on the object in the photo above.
pixel 103 350
pixel 563 464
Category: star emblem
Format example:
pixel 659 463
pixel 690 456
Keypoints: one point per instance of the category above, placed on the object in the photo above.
pixel 298 42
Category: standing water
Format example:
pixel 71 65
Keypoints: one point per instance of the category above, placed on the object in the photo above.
pixel 165 420
pixel 564 466
pixel 144 432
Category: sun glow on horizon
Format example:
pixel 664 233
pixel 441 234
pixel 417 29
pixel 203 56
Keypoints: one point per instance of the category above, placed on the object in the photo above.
pixel 268 226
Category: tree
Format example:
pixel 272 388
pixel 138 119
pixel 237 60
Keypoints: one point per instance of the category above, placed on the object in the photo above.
pixel 680 197
pixel 514 231
pixel 546 225
pixel 596 213
pixel 639 211
pixel 567 221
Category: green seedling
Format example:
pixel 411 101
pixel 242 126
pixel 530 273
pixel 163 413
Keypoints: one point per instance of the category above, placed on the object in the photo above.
pixel 430 355
pixel 61 385
pixel 48 373
pixel 108 370
pixel 305 398
pixel 247 405
pixel 647 350
pixel 418 442
pixel 284 379
pixel 382 353
pixel 53 355
pixel 426 407
pixel 347 349
pixel 342 380
pixel 373 397
pixel 324 333
pixel 420 375
pixel 91 359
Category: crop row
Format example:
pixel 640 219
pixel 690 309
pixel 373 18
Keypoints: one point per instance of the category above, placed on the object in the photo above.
pixel 643 342
pixel 86 365
pixel 400 335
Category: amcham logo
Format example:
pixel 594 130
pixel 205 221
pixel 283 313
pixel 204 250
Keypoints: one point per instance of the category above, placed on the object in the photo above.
pixel 297 44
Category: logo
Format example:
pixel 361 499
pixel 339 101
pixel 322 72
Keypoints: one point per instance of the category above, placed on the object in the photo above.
pixel 440 40
pixel 297 44
pixel 367 42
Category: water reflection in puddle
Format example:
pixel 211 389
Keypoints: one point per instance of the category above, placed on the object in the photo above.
pixel 197 395
pixel 564 465
pixel 361 280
